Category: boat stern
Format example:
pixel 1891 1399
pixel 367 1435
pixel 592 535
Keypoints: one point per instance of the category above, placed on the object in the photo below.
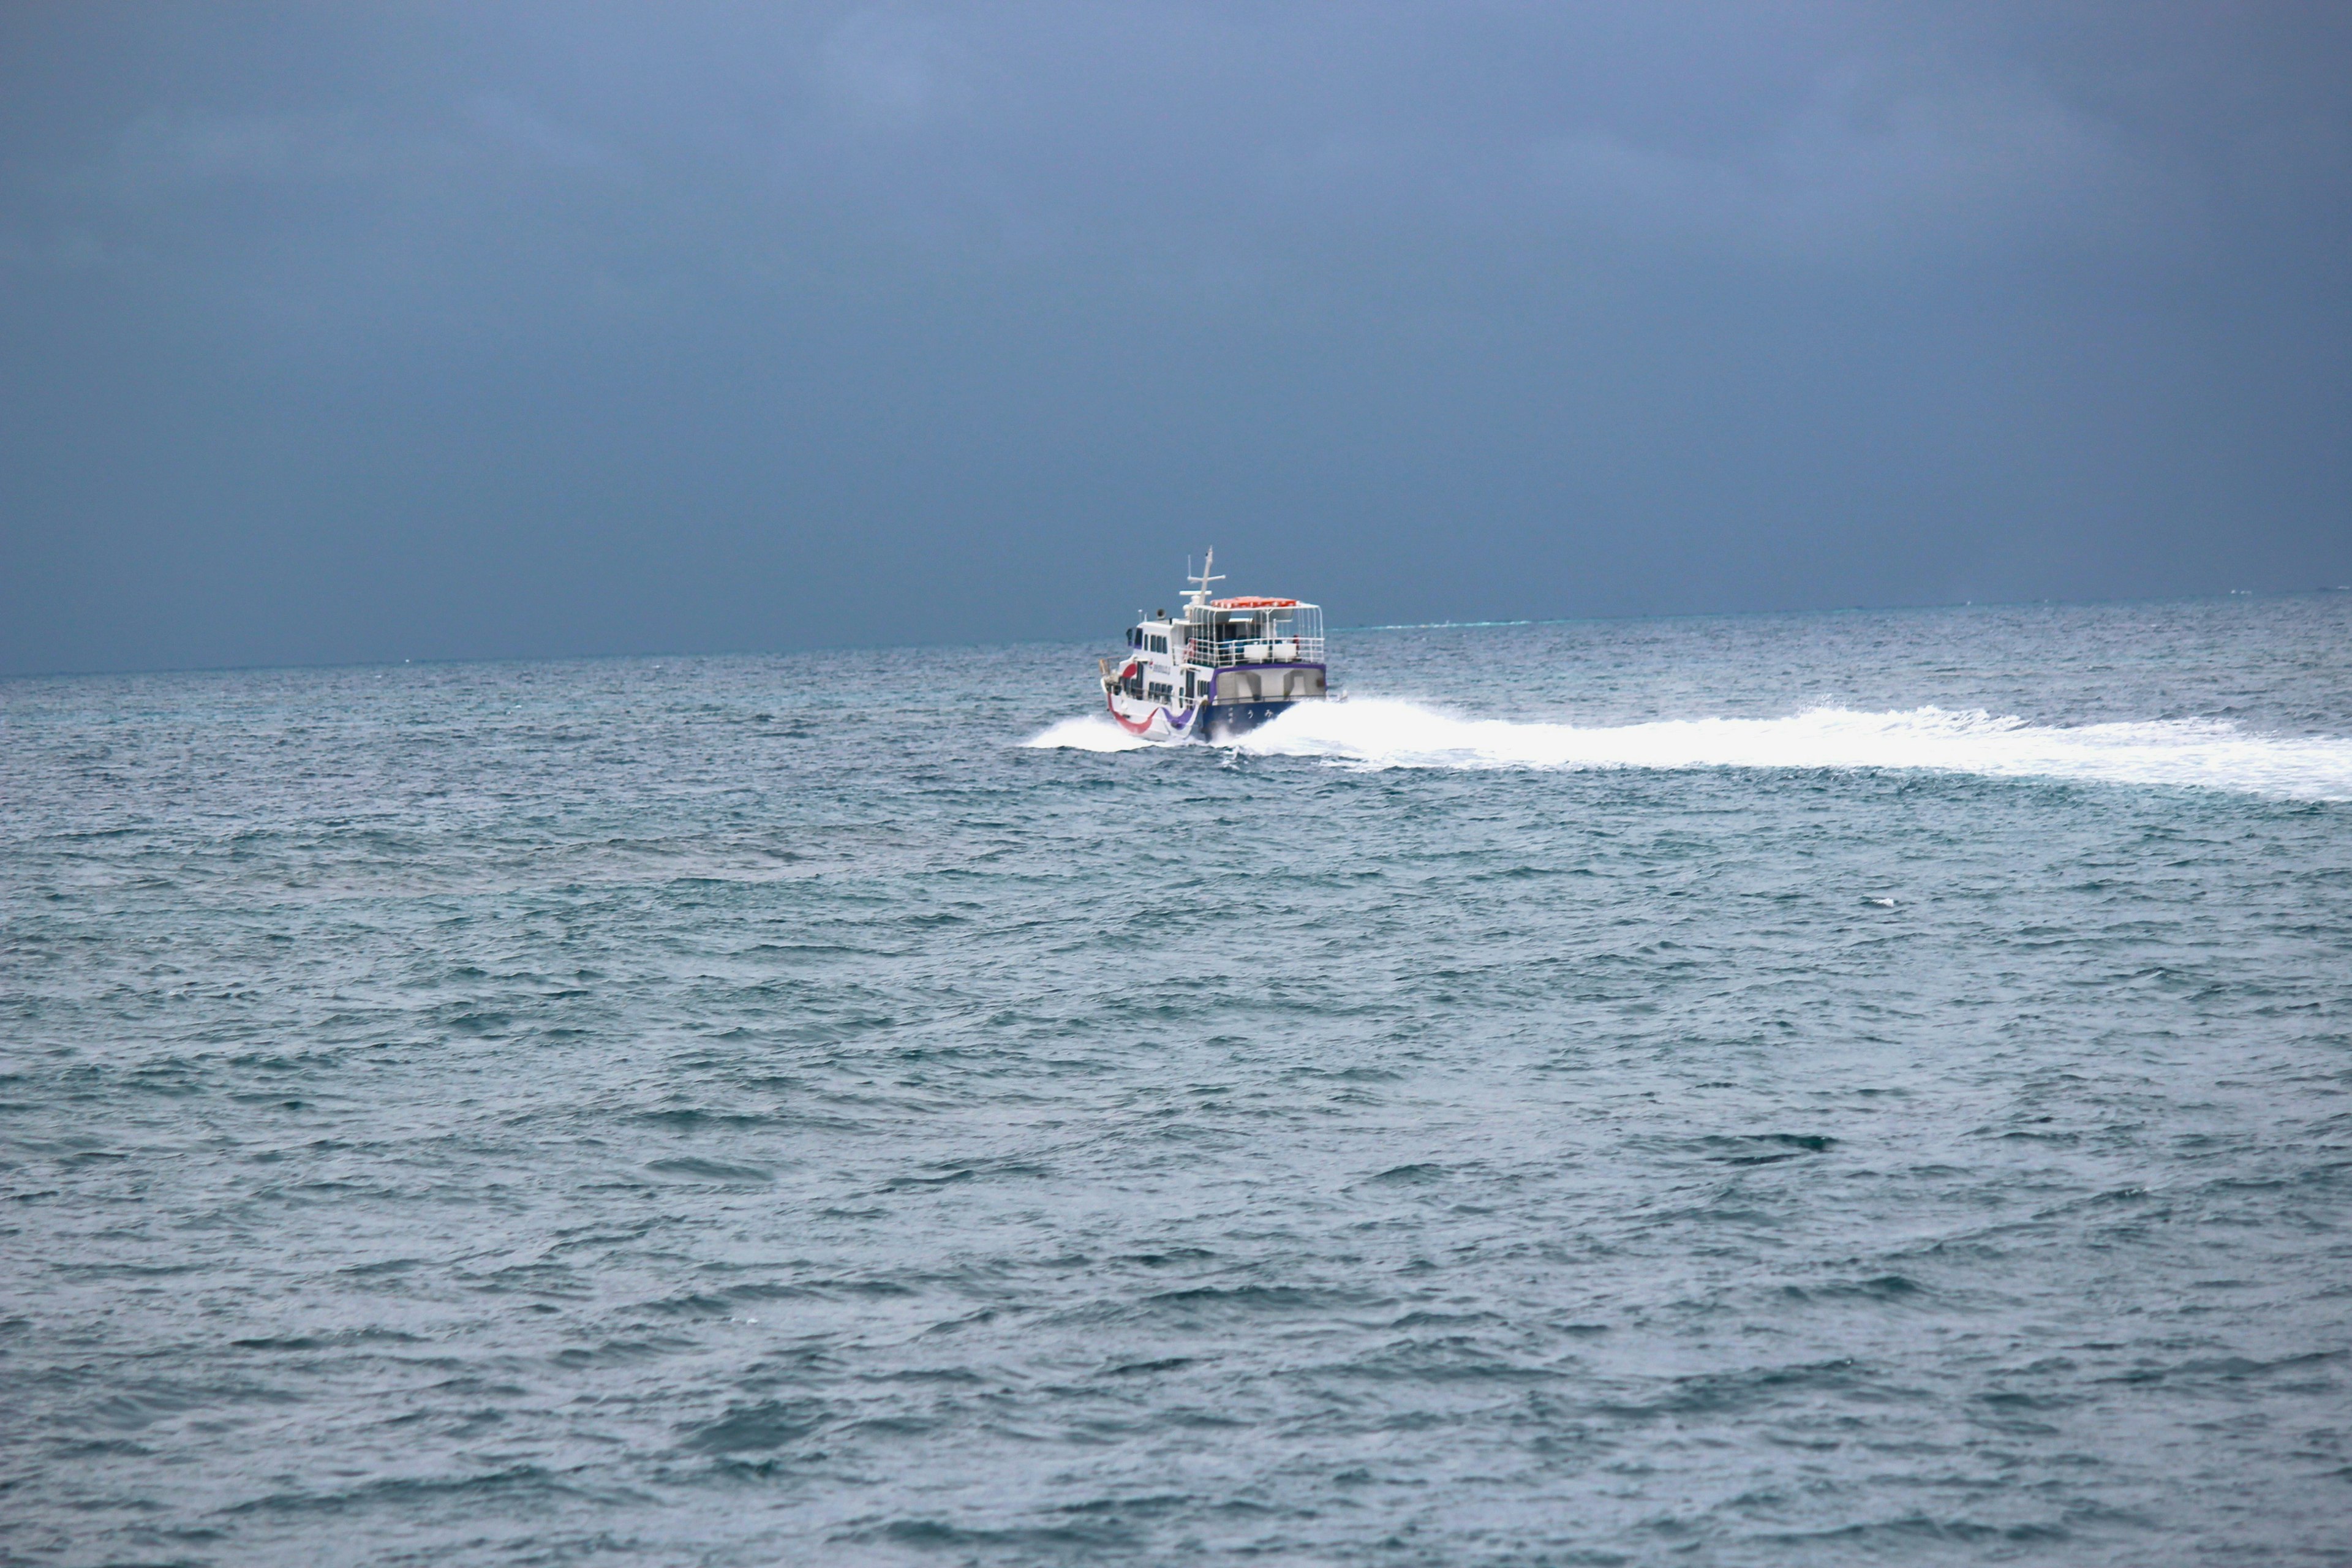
pixel 1243 697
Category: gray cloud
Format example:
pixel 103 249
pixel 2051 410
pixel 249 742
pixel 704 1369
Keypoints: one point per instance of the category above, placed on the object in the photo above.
pixel 372 332
pixel 1845 181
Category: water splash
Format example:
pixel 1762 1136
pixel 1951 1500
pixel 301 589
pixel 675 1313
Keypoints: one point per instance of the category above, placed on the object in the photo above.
pixel 2194 752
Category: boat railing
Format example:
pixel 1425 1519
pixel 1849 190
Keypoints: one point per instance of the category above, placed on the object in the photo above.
pixel 1220 654
pixel 1292 635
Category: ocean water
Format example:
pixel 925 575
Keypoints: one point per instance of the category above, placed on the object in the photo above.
pixel 1840 1088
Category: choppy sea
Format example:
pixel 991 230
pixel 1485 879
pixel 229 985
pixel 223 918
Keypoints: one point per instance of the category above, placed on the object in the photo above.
pixel 1857 1088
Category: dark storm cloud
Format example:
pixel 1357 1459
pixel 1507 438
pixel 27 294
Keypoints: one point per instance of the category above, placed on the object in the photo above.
pixel 372 332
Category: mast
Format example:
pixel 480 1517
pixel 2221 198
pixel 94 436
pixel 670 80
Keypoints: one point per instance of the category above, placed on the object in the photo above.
pixel 1198 598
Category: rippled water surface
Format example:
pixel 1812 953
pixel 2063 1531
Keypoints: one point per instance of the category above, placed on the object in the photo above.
pixel 1860 1088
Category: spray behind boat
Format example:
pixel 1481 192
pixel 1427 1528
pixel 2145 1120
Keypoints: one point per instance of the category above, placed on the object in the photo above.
pixel 1220 668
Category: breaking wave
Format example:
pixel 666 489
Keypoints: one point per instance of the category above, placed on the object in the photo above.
pixel 2195 752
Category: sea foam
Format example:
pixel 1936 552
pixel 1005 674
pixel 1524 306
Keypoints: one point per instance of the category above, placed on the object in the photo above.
pixel 2195 752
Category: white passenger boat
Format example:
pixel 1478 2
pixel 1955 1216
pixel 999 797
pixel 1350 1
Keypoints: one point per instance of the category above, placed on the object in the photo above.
pixel 1219 669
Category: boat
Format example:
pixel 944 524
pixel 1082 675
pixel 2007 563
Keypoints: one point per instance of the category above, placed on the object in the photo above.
pixel 1218 669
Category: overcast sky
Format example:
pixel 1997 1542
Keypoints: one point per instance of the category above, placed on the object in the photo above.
pixel 352 332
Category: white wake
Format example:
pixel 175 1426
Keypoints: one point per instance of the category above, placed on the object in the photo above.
pixel 2196 752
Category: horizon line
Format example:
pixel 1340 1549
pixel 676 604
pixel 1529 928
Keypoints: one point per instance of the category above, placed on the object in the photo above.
pixel 1911 607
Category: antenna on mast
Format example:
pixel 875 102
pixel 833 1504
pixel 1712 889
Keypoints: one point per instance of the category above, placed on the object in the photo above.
pixel 1196 598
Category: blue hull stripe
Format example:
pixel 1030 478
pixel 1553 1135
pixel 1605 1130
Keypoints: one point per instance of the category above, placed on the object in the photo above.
pixel 1240 718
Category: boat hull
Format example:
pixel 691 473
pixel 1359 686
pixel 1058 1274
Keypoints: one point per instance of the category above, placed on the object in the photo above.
pixel 1245 696
pixel 1235 699
pixel 1152 722
pixel 1240 699
pixel 1229 720
pixel 1225 721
